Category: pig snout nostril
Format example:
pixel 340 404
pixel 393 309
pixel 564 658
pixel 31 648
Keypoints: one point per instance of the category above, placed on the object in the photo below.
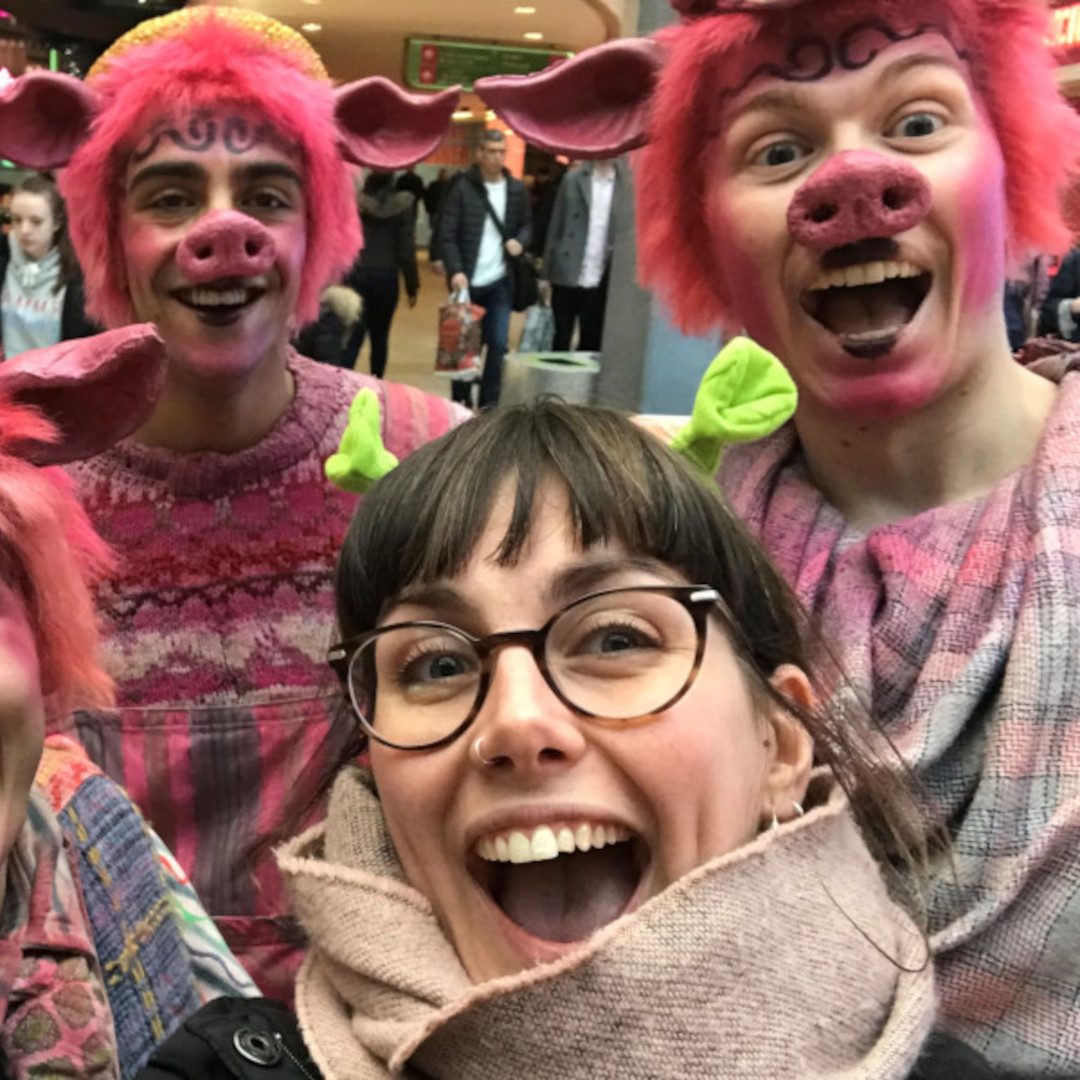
pixel 895 198
pixel 823 213
pixel 204 252
pixel 252 248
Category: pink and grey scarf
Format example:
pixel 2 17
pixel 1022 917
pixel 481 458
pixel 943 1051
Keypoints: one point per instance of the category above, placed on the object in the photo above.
pixel 961 627
pixel 776 960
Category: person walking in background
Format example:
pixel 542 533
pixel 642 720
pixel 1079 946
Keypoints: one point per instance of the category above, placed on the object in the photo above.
pixel 42 298
pixel 435 216
pixel 1024 295
pixel 413 184
pixel 389 220
pixel 545 188
pixel 472 248
pixel 433 195
pixel 578 251
pixel 1059 315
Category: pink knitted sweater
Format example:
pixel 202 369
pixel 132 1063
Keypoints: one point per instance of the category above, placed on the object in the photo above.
pixel 216 629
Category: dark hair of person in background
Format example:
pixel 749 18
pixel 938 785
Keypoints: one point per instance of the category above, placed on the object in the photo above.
pixel 38 184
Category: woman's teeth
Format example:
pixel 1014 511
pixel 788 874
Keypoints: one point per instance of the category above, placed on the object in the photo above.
pixel 548 842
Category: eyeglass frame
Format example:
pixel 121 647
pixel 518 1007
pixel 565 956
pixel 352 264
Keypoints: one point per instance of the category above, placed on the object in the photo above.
pixel 697 600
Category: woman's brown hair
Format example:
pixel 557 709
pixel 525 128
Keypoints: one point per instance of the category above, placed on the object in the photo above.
pixel 422 522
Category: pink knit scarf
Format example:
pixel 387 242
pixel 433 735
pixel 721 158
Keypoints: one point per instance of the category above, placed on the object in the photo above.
pixel 773 961
pixel 961 628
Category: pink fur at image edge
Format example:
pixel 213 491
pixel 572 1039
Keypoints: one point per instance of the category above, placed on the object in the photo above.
pixel 51 554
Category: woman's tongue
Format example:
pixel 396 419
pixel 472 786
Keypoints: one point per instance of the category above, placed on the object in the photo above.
pixel 568 898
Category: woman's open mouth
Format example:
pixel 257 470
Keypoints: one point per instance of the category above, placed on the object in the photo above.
pixel 868 304
pixel 564 881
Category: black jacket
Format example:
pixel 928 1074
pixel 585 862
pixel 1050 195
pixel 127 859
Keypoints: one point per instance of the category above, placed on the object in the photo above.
pixel 464 213
pixel 212 1045
pixel 73 320
pixel 234 1039
pixel 1065 285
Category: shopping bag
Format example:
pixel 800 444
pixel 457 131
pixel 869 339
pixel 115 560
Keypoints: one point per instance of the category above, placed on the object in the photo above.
pixel 539 332
pixel 458 353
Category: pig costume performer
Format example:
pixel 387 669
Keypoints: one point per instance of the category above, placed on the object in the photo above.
pixel 219 615
pixel 958 619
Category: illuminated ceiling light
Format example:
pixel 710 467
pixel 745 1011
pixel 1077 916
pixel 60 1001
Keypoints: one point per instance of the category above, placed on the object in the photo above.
pixel 311 27
pixel 311 2
pixel 534 35
pixel 490 115
pixel 461 114
pixel 524 11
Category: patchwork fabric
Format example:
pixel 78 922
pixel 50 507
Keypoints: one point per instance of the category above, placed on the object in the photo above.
pixel 56 1019
pixel 961 628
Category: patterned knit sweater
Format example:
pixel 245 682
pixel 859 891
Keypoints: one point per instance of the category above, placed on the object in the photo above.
pixel 216 630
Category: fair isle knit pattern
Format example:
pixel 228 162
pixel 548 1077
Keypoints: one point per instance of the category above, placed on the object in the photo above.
pixel 216 630
pixel 961 628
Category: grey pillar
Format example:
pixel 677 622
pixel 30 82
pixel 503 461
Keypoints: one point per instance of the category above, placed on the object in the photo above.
pixel 648 366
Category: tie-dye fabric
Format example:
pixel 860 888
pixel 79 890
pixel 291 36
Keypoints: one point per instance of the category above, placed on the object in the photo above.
pixel 961 627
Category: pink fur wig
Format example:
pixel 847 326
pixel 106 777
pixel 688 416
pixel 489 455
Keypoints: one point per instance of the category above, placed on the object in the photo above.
pixel 214 62
pixel 49 556
pixel 1012 72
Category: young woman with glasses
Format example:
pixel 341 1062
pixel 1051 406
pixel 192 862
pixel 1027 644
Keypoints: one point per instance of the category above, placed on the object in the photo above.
pixel 604 825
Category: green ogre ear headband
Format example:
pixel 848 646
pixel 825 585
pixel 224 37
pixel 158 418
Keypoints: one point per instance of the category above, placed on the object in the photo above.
pixel 745 395
pixel 361 458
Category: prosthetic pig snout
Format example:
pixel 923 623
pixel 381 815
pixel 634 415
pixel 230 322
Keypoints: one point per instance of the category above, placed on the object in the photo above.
pixel 857 195
pixel 226 244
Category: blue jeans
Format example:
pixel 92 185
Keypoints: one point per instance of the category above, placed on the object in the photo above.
pixel 497 300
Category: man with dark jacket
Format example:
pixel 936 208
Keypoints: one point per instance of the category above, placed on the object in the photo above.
pixel 577 253
pixel 476 251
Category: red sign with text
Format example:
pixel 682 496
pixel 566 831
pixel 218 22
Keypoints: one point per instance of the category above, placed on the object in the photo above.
pixel 1065 28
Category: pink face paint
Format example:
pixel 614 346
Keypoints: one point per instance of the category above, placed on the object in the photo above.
pixel 18 651
pixel 214 237
pixel 859 223
pixel 983 227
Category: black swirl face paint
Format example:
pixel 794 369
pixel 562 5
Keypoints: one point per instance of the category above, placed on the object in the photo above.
pixel 809 59
pixel 203 130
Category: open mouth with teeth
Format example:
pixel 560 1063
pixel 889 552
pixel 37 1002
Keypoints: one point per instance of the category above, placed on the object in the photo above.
pixel 561 883
pixel 867 304
pixel 219 303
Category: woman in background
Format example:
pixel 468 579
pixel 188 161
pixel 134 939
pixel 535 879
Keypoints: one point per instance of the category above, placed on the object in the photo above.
pixel 42 299
pixel 389 221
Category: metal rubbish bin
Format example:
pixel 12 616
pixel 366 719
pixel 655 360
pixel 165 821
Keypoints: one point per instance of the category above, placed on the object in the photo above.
pixel 569 375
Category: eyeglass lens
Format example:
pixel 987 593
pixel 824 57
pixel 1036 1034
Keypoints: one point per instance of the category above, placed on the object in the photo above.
pixel 617 656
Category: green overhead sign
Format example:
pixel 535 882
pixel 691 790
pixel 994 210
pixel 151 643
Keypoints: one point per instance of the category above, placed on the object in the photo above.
pixel 435 65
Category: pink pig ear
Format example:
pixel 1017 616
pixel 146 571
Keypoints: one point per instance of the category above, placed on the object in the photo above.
pixel 384 127
pixel 44 116
pixel 96 390
pixel 594 105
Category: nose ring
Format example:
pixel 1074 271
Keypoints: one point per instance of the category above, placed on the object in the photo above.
pixel 478 752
